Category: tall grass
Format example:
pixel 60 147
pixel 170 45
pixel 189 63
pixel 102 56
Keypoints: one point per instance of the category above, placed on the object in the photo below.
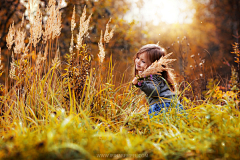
pixel 64 108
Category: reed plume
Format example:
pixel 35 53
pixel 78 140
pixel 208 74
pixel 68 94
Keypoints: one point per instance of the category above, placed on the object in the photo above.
pixel 36 29
pixel 158 66
pixel 73 23
pixel 19 41
pixel 83 28
pixel 10 36
pixel 53 25
pixel 39 61
pixel 101 53
pixel 56 61
pixel 57 26
pixel 108 35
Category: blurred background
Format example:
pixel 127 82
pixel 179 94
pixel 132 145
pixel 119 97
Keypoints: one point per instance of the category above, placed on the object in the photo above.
pixel 201 34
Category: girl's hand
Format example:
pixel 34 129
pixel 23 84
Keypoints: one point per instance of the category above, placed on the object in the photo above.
pixel 135 80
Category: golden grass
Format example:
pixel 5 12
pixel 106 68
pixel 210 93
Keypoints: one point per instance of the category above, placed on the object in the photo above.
pixel 56 110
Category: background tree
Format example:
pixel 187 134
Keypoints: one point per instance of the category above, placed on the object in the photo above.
pixel 224 17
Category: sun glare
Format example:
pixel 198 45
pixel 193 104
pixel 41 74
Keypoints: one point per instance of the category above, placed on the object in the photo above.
pixel 169 11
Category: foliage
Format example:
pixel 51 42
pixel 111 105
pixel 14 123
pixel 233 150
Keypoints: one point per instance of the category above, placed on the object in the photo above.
pixel 56 108
pixel 208 132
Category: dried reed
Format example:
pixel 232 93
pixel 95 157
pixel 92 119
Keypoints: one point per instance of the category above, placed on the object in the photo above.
pixel 83 28
pixel 10 36
pixel 108 35
pixel 101 54
pixel 158 66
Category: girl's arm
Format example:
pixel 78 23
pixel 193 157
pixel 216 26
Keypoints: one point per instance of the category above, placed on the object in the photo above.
pixel 152 87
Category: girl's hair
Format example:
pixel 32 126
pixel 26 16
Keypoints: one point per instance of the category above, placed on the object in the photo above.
pixel 155 52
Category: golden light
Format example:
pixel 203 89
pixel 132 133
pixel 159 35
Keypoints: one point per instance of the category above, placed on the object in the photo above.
pixel 169 11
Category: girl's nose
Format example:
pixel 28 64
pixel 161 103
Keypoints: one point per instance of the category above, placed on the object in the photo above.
pixel 137 61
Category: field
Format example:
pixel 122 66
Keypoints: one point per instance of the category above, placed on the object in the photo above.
pixel 70 107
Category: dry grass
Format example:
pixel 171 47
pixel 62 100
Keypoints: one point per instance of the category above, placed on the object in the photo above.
pixel 62 108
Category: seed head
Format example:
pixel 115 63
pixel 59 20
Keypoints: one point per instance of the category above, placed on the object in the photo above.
pixel 159 66
pixel 56 60
pixel 101 54
pixel 19 41
pixel 36 29
pixel 10 36
pixel 108 35
pixel 73 24
pixel 83 28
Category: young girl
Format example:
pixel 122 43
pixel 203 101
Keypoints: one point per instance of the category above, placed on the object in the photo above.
pixel 159 89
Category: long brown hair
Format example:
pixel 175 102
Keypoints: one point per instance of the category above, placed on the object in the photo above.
pixel 155 52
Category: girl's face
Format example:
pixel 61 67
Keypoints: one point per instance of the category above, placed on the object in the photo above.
pixel 142 62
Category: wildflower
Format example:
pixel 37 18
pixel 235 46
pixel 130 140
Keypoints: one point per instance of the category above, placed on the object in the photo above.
pixel 203 61
pixel 139 84
pixel 151 77
pixel 200 64
pixel 192 56
pixel 201 75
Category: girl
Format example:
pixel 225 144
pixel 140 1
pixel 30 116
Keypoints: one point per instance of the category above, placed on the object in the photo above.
pixel 159 89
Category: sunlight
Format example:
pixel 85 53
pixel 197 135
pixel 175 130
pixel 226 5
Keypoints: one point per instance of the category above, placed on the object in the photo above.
pixel 170 11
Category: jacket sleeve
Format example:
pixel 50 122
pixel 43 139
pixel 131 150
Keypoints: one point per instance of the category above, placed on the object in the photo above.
pixel 152 88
